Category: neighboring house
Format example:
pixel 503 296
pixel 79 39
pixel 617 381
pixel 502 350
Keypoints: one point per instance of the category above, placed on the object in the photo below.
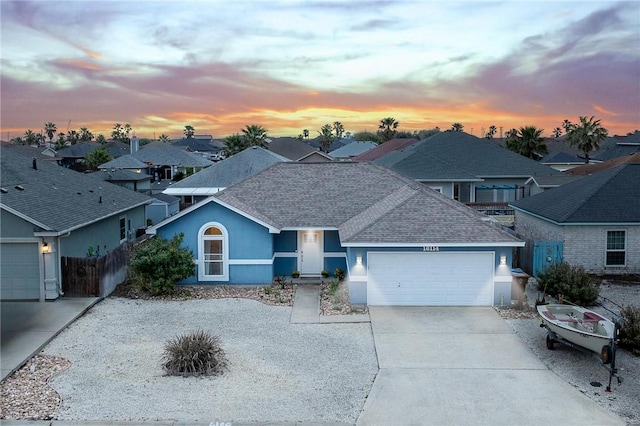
pixel 353 149
pixel 595 221
pixel 159 160
pixel 73 156
pixel 203 145
pixel 562 161
pixel 398 242
pixel 538 184
pixel 222 174
pixel 466 168
pixel 47 212
pixel 133 180
pixel 337 143
pixel 385 148
pixel 315 157
pixel 591 168
pixel 162 207
pixel 291 148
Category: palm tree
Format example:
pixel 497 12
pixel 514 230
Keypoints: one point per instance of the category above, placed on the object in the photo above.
pixel 73 137
pixel 255 135
pixel 457 127
pixel 97 157
pixel 338 128
pixel 189 131
pixel 101 139
pixel 587 135
pixel 163 138
pixel 233 144
pixel 492 131
pixel 326 137
pixel 527 141
pixel 30 138
pixel 61 142
pixel 85 135
pixel 387 128
pixel 50 129
pixel 305 133
pixel 557 132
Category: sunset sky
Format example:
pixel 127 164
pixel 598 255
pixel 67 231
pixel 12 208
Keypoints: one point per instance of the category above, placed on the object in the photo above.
pixel 292 65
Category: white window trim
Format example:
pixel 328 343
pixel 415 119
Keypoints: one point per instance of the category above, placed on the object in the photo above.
pixel 124 217
pixel 225 253
pixel 436 188
pixel 606 249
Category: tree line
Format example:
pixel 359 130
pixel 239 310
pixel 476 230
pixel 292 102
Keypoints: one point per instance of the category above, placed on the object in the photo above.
pixel 587 134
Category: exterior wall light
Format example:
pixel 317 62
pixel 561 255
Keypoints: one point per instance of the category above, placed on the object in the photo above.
pixel 46 248
pixel 359 260
pixel 503 260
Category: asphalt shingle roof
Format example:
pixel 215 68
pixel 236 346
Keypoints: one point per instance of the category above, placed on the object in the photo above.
pixel 352 149
pixel 291 148
pixel 372 204
pixel 385 148
pixel 160 154
pixel 610 196
pixel 231 170
pixel 465 155
pixel 57 198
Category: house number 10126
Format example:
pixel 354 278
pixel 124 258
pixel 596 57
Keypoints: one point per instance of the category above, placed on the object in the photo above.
pixel 430 248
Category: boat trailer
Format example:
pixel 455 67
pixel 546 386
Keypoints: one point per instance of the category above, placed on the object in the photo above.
pixel 607 354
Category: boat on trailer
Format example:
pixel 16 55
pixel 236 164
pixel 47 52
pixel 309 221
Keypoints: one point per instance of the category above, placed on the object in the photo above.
pixel 581 328
pixel 577 325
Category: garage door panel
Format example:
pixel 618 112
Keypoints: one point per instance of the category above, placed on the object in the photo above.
pixel 20 271
pixel 433 279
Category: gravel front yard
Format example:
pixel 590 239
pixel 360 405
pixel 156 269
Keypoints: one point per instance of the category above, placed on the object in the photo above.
pixel 580 369
pixel 278 371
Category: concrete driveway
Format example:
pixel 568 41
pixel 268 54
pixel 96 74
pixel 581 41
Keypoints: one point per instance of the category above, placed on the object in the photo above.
pixel 454 366
pixel 28 326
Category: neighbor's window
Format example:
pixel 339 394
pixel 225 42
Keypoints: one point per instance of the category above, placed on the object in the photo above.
pixel 123 229
pixel 213 240
pixel 615 248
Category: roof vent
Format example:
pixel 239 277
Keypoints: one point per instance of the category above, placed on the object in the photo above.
pixel 19 187
pixel 3 190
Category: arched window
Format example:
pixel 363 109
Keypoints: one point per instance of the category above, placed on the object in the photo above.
pixel 213 253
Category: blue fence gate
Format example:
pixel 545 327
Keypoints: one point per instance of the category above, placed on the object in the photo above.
pixel 545 254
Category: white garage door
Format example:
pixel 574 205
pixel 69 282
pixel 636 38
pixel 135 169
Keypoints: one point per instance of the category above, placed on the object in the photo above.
pixel 430 279
pixel 19 271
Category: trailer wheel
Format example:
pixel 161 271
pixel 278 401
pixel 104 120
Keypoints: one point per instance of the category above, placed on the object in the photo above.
pixel 550 343
pixel 606 354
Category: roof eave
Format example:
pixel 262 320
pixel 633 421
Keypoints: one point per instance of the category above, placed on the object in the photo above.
pixel 432 244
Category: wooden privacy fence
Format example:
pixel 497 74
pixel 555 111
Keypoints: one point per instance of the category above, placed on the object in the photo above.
pixel 95 276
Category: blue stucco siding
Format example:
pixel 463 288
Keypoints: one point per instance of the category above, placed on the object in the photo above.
pixel 285 242
pixel 332 242
pixel 249 243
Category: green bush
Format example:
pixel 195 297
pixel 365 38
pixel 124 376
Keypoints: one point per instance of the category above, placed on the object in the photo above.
pixel 339 273
pixel 195 354
pixel 570 283
pixel 630 328
pixel 158 264
pixel 334 284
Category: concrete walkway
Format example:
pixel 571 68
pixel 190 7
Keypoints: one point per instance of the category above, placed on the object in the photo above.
pixel 465 366
pixel 306 308
pixel 28 326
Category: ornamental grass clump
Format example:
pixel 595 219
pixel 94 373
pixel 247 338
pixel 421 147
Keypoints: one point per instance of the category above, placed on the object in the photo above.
pixel 570 283
pixel 194 354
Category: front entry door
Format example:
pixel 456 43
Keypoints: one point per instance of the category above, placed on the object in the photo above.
pixel 310 255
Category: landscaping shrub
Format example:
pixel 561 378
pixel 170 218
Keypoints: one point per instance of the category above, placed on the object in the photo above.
pixel 194 354
pixel 333 286
pixel 570 283
pixel 630 328
pixel 339 273
pixel 157 265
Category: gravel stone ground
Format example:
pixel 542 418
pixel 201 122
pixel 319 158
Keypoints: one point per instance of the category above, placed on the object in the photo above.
pixel 322 373
pixel 580 369
pixel 278 371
